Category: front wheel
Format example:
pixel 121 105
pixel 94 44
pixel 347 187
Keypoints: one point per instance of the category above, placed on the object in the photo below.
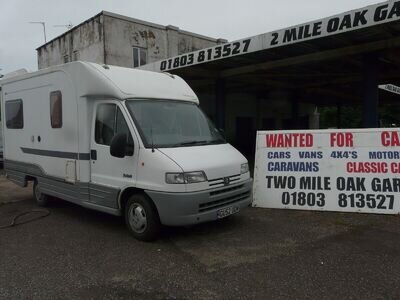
pixel 142 219
pixel 41 199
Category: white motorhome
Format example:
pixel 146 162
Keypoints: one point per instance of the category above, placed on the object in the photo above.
pixel 122 141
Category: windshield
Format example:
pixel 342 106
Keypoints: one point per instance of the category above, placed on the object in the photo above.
pixel 167 124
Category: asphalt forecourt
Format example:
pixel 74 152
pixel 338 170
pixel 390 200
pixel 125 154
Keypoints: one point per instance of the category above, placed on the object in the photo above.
pixel 78 253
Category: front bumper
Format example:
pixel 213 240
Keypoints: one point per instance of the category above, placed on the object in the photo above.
pixel 177 209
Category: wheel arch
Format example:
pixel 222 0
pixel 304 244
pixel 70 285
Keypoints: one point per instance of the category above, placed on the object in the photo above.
pixel 29 178
pixel 127 193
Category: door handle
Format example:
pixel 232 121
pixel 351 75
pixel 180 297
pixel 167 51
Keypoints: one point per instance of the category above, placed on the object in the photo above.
pixel 93 154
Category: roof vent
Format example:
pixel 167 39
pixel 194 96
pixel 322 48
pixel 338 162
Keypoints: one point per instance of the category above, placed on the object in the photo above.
pixel 106 67
pixel 15 73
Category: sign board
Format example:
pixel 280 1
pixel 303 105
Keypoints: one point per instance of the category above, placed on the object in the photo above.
pixel 391 88
pixel 329 170
pixel 356 19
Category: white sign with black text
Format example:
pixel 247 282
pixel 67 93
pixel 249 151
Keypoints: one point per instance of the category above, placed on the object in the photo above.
pixel 329 170
pixel 356 19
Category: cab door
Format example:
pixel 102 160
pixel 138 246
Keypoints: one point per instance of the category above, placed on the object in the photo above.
pixel 109 175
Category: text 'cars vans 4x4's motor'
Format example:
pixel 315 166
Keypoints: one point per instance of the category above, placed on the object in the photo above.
pixel 121 141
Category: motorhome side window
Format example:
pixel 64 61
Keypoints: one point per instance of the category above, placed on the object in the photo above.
pixel 15 114
pixel 110 121
pixel 56 109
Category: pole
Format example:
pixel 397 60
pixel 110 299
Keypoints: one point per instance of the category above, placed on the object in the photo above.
pixel 44 29
pixel 220 104
pixel 370 90
pixel 44 32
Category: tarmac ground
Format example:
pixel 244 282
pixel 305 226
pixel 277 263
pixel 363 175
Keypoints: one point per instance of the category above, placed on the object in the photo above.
pixel 257 254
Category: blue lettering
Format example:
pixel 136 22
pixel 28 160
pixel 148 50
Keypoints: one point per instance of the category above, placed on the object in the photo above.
pixel 293 167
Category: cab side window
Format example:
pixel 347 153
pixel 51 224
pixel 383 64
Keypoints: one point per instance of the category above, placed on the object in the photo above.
pixel 109 122
pixel 122 127
pixel 105 124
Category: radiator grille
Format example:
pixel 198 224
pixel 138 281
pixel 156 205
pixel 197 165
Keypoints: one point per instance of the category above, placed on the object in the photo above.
pixel 224 181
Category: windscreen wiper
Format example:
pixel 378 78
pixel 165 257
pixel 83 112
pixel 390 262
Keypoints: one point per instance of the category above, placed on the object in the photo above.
pixel 193 143
pixel 215 142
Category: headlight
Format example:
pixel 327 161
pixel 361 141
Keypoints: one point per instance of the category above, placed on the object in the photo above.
pixel 174 178
pixel 181 178
pixel 244 168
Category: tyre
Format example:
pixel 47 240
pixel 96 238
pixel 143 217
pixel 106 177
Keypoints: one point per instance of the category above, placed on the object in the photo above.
pixel 41 199
pixel 141 218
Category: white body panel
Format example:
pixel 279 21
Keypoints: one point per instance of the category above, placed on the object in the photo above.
pixel 217 161
pixel 35 95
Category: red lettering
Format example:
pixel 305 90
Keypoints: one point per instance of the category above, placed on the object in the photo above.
pixel 349 167
pixel 385 138
pixel 281 142
pixel 367 167
pixel 349 139
pixel 271 140
pixel 302 141
pixel 289 140
pixel 309 140
pixel 342 139
pixel 395 168
pixel 390 139
pixel 395 139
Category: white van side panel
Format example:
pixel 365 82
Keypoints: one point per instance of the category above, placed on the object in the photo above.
pixel 58 158
pixel 38 143
pixel 84 116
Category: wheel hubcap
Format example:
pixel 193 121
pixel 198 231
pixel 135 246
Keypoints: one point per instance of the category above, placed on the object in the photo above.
pixel 137 218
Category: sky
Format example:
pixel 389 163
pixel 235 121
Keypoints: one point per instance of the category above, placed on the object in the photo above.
pixel 229 19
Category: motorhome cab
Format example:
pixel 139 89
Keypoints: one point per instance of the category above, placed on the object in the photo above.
pixel 122 141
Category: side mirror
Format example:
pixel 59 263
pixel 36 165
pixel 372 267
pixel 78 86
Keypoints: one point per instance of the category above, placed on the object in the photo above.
pixel 118 145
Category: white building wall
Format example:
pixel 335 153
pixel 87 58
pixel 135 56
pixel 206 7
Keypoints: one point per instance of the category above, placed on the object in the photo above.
pixel 109 38
pixel 121 34
pixel 82 43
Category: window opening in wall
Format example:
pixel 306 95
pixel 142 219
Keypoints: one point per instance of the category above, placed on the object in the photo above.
pixel 139 56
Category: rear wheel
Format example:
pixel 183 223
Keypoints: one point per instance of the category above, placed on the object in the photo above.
pixel 141 218
pixel 41 199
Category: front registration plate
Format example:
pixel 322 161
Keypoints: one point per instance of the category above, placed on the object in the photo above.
pixel 227 211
